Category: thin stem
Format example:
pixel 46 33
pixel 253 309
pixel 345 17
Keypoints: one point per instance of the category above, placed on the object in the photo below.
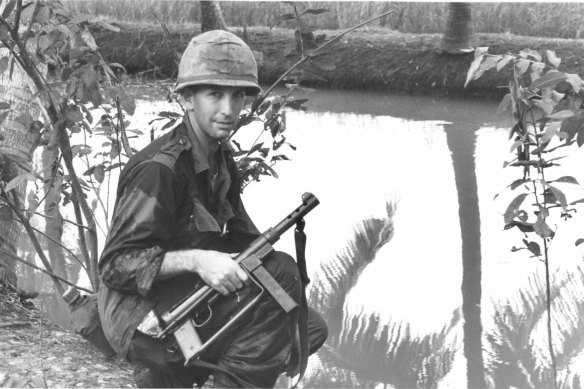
pixel 53 176
pixel 45 271
pixel 97 192
pixel 121 126
pixel 63 247
pixel 549 314
pixel 299 21
pixel 38 248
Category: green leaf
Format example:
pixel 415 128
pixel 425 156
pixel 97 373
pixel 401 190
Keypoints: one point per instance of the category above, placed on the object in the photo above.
pixel 504 105
pixel 566 113
pixel 265 105
pixel 287 17
pixel 4 105
pixel 81 150
pixel 579 242
pixel 73 114
pixel 513 208
pixel 548 80
pixel 474 67
pixel 552 58
pixel 517 183
pixel 8 9
pixel 541 228
pixel 560 196
pixel 480 51
pixel 33 203
pixel 255 148
pixel 516 145
pixel 530 53
pixel 16 181
pixel 324 65
pixel 536 71
pixel 575 81
pixel 317 11
pixel 3 64
pixel 533 247
pixel 580 138
pixel 99 173
pixel 567 180
pixel 522 65
pixel 503 62
pixel 114 166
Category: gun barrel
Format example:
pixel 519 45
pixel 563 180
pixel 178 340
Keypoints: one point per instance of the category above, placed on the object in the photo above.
pixel 309 201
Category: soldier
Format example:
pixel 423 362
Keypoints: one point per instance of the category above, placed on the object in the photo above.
pixel 179 219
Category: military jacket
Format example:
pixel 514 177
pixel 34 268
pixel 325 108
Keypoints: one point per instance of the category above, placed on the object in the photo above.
pixel 162 205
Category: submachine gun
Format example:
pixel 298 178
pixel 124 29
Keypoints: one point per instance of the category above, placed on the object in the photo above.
pixel 178 321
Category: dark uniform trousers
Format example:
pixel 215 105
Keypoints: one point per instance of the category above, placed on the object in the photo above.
pixel 257 348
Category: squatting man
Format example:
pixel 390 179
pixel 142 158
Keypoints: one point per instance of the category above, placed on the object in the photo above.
pixel 179 219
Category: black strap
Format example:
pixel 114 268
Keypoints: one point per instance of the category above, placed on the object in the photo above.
pixel 300 240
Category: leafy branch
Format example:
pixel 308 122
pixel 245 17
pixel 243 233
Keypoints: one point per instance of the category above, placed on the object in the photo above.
pixel 259 159
pixel 54 37
pixel 546 105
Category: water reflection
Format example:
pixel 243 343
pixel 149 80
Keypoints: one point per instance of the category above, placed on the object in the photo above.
pixel 356 152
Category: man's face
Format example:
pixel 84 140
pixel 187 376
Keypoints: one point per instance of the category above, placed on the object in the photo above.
pixel 214 111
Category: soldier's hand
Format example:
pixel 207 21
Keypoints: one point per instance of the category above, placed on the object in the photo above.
pixel 220 271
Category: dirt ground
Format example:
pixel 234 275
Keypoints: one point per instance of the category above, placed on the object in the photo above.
pixel 37 354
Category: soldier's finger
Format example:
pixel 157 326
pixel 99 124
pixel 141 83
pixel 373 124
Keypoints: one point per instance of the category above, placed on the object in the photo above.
pixel 242 275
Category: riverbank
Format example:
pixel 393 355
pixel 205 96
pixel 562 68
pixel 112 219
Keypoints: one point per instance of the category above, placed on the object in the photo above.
pixel 365 59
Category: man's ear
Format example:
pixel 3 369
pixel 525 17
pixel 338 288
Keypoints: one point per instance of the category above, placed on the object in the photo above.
pixel 186 95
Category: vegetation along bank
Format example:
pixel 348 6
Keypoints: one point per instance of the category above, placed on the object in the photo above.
pixel 372 59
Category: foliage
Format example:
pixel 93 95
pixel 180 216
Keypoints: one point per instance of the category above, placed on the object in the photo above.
pixel 515 359
pixel 83 83
pixel 259 159
pixel 546 107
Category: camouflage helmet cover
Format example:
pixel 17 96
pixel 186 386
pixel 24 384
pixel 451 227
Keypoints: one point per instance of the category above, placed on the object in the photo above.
pixel 218 58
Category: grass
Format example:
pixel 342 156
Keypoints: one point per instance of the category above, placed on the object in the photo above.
pixel 546 19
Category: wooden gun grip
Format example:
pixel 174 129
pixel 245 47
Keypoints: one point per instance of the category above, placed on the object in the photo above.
pixel 188 340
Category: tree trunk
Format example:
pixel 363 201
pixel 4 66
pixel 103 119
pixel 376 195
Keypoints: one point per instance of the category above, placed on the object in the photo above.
pixel 461 142
pixel 14 137
pixel 456 40
pixel 211 16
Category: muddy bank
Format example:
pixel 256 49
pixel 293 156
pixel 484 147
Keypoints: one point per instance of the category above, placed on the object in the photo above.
pixel 371 59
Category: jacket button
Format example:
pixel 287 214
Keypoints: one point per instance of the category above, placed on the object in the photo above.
pixel 182 141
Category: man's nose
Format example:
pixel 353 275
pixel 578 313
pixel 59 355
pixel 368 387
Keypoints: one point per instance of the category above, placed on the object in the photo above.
pixel 228 106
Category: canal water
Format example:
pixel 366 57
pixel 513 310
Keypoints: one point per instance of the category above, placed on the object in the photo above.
pixel 358 152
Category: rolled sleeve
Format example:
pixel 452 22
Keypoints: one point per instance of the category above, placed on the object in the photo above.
pixel 135 270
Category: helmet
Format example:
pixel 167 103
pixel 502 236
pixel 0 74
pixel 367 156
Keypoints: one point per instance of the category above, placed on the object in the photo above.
pixel 218 58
